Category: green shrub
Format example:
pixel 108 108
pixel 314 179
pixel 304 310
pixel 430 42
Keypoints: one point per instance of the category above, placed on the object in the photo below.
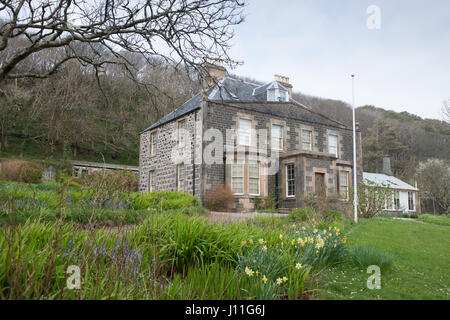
pixel 332 215
pixel 31 173
pixel 363 257
pixel 302 214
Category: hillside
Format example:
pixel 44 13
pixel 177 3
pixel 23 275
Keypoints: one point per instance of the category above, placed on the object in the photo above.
pixel 408 138
pixel 69 116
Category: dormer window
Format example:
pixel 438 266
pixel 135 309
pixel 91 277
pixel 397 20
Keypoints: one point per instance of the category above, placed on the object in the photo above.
pixel 277 94
pixel 271 95
pixel 283 95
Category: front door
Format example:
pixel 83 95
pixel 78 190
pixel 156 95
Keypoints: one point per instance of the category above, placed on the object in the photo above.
pixel 320 184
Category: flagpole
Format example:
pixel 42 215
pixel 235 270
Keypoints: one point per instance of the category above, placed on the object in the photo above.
pixel 355 184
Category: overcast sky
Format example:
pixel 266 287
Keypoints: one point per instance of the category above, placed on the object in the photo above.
pixel 318 44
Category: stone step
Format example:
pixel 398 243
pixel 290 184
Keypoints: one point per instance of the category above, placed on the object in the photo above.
pixel 284 210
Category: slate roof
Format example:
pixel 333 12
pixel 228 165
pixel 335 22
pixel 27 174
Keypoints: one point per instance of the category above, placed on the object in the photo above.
pixel 245 94
pixel 391 181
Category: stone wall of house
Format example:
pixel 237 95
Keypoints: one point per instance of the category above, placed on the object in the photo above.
pixel 223 117
pixel 168 155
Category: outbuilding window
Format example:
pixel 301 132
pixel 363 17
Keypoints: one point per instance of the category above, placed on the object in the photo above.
pixel 411 201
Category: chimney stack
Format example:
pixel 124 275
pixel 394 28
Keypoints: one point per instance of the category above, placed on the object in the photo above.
pixel 387 165
pixel 213 71
pixel 284 81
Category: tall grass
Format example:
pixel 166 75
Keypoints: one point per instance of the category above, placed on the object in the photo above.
pixel 363 257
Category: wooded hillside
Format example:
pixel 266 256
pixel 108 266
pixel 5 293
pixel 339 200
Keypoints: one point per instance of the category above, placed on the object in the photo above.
pixel 76 114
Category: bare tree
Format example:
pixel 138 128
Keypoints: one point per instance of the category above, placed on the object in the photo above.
pixel 446 110
pixel 182 32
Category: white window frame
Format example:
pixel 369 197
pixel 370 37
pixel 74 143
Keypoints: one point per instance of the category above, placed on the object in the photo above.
pixel 310 138
pixel 280 139
pixel 412 200
pixel 394 207
pixel 337 144
pixel 240 131
pixel 180 173
pixel 287 180
pixel 346 196
pixel 258 178
pixel 236 163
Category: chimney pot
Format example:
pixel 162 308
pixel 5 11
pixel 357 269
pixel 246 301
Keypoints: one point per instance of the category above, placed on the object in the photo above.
pixel 284 81
pixel 213 71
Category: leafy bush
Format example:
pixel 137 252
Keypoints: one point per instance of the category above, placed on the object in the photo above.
pixel 219 198
pixel 363 257
pixel 302 214
pixel 21 171
pixel 332 215
pixel 372 199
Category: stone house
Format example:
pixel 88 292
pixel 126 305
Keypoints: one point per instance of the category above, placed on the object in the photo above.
pixel 253 138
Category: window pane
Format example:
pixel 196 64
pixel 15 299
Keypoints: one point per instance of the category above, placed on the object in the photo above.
pixel 306 140
pixel 282 95
pixel 253 169
pixel 332 143
pixel 290 180
pixel 343 184
pixel 244 132
pixel 277 137
pixel 237 177
pixel 410 201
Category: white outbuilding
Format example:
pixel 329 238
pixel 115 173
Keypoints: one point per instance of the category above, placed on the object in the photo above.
pixel 405 197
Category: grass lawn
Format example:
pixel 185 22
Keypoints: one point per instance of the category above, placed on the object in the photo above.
pixel 421 262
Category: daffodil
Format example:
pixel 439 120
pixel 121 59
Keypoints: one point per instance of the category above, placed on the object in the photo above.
pixel 279 281
pixel 250 241
pixel 264 279
pixel 281 237
pixel 249 271
pixel 244 243
pixel 265 248
pixel 285 279
pixel 261 241
pixel 298 266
